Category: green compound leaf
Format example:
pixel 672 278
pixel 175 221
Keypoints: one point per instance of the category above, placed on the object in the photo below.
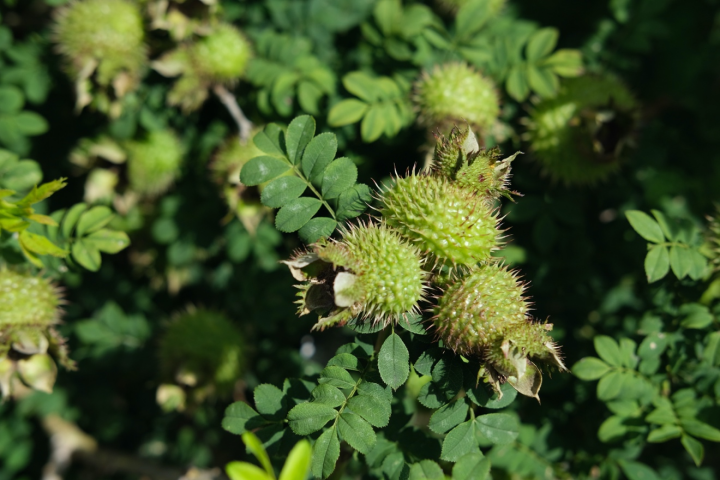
pixel 317 228
pixel 564 62
pixel 353 202
pixel 271 140
pixel 297 213
pixel 643 224
pixel 93 220
pixel 108 241
pixel 337 377
pixel 319 153
pixel 282 190
pixel 374 409
pixel 426 470
pixel 261 169
pixel 40 245
pixel 694 448
pixel 299 133
pixel 610 385
pixel 347 112
pixel 361 85
pixel 85 254
pixel 70 219
pixel 307 418
pixel 664 433
pixel 459 442
pixel 473 466
pixel 499 428
pixel 517 84
pixel 590 368
pixel 347 361
pixel 449 416
pixel 270 401
pixel 700 429
pixel 328 395
pixel 393 361
pixel 309 95
pixel 373 124
pixel 325 453
pixel 356 432
pixel 541 43
pixel 637 470
pixel 680 260
pixel 657 263
pixel 608 349
pixel 470 18
pixel 543 81
pixel 339 176
pixel 241 417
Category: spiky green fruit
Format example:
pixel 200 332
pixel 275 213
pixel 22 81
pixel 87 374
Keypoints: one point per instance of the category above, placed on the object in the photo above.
pixel 103 36
pixel 203 350
pixel 460 159
pixel 30 310
pixel 486 315
pixel 456 93
pixel 452 224
pixel 154 163
pixel 222 55
pixel 579 136
pixel 371 273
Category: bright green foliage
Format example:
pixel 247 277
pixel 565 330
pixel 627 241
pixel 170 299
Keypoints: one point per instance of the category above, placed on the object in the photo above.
pixel 453 225
pixel 154 162
pixel 296 467
pixel 579 136
pixel 371 272
pixel 456 93
pixel 452 6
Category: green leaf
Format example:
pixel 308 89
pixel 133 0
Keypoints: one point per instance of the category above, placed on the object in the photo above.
pixel 413 323
pixel 108 241
pixel 694 448
pixel 470 18
pixel 317 228
pixel 269 401
pixel 667 229
pixel 282 92
pixel 347 112
pixel 657 263
pixel 309 95
pixel 664 433
pixel 499 428
pixel 328 395
pixel 245 471
pixel 643 224
pixel 255 446
pixel 21 176
pixel 41 192
pixel 319 153
pixel 373 124
pixel 297 213
pixel 70 219
pixel 564 62
pixel 271 140
pixel 590 368
pixel 611 429
pixel 347 361
pixel 697 316
pixel 40 245
pixel 473 466
pixel 698 265
pixel 298 462
pixel 541 43
pixel 426 470
pixel 543 81
pixel 11 99
pixel 637 470
pixel 361 85
pixel 700 429
pixel 388 15
pixel 299 133
pixel 337 377
pixel 448 416
pixel 241 417
pixel 31 123
pixel 306 418
pixel 353 202
pixel 459 442
pixel 282 190
pixel 325 453
pixel 393 361
pixel 261 169
pixel 680 261
pixel 517 84
pixel 609 386
pixel 85 254
pixel 376 410
pixel 356 432
pixel 608 349
pixel 339 176
pixel 653 345
pixel 375 390
pixel 93 220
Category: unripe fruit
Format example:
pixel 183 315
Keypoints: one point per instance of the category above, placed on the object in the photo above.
pixel 453 225
pixel 486 315
pixel 154 163
pixel 456 93
pixel 371 272
pixel 221 56
pixel 579 136
pixel 203 350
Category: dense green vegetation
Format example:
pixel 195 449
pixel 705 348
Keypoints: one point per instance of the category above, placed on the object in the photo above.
pixel 354 238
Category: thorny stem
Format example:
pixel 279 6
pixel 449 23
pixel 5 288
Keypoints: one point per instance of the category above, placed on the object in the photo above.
pixel 228 99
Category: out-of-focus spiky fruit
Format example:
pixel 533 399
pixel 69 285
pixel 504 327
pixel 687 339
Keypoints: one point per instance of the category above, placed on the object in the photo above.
pixel 221 56
pixel 371 273
pixel 486 315
pixel 202 350
pixel 456 93
pixel 452 224
pixel 452 6
pixel 154 163
pixel 580 135
pixel 103 36
pixel 30 309
pixel 459 158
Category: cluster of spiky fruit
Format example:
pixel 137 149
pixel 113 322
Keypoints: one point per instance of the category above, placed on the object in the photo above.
pixel 436 230
pixel 580 135
pixel 30 310
pixel 201 352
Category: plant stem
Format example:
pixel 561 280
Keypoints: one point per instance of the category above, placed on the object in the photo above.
pixel 228 99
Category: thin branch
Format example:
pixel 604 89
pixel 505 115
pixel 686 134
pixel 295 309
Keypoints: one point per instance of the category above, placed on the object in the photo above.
pixel 228 99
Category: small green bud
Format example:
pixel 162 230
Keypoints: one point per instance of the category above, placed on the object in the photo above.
pixel 456 93
pixel 154 163
pixel 453 225
pixel 579 136
pixel 371 273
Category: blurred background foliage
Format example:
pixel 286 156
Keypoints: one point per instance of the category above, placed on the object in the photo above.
pixel 204 249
